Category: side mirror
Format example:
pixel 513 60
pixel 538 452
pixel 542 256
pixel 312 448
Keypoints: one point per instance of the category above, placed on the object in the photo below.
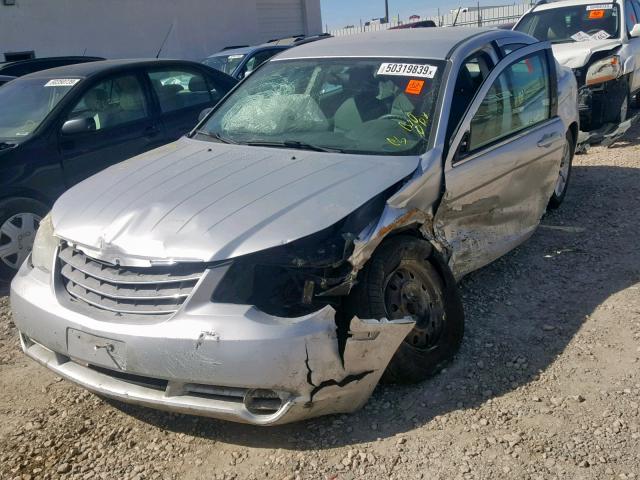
pixel 635 31
pixel 78 125
pixel 463 148
pixel 204 113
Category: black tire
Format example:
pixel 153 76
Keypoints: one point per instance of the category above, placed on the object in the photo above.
pixel 440 326
pixel 622 111
pixel 558 195
pixel 9 208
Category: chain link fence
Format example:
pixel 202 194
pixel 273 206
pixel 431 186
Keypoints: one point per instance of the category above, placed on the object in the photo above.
pixel 462 17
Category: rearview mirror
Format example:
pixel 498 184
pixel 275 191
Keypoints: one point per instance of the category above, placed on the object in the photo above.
pixel 78 125
pixel 635 31
pixel 204 113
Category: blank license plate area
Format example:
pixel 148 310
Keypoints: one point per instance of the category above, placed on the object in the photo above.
pixel 95 350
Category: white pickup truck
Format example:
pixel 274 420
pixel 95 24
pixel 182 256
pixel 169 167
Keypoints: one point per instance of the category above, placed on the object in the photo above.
pixel 600 42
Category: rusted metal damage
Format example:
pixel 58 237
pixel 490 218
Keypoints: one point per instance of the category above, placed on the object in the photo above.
pixel 393 220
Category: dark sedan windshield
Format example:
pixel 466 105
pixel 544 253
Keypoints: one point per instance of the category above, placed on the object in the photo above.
pixel 371 106
pixel 578 23
pixel 25 103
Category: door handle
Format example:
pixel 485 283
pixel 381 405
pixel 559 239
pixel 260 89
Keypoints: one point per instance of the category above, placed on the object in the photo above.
pixel 547 140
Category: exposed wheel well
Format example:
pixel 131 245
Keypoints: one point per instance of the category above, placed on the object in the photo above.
pixel 574 129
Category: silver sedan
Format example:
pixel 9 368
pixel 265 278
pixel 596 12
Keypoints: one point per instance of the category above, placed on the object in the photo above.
pixel 305 240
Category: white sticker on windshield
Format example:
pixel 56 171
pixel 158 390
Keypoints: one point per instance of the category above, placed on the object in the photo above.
pixel 408 70
pixel 601 35
pixel 62 82
pixel 581 37
pixel 602 6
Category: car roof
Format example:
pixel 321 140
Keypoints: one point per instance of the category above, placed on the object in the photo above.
pixel 248 50
pixel 432 43
pixel 570 3
pixel 82 70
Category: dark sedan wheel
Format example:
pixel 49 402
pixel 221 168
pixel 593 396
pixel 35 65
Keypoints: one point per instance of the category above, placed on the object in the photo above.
pixel 19 221
pixel 401 281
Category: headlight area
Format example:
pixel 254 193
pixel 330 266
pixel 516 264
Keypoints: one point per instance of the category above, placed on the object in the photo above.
pixel 44 246
pixel 602 92
pixel 303 276
pixel 604 70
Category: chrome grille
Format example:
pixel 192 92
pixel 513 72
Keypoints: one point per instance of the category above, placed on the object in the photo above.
pixel 126 290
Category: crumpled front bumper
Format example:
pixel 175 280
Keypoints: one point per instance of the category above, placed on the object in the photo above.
pixel 230 362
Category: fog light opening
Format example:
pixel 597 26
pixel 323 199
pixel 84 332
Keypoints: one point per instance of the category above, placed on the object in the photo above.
pixel 262 402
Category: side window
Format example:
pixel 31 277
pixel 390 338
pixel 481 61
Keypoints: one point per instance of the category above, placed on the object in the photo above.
pixel 519 98
pixel 255 61
pixel 178 89
pixel 113 102
pixel 630 15
pixel 474 72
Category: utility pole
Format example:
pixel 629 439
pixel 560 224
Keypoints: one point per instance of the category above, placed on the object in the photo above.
pixel 386 11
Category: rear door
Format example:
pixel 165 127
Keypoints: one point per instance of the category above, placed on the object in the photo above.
pixel 181 94
pixel 504 161
pixel 124 126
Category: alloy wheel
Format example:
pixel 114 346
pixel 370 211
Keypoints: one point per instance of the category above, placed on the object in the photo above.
pixel 17 235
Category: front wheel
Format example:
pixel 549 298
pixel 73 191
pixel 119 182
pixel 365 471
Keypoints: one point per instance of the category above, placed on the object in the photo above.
pixel 622 112
pixel 401 280
pixel 562 183
pixel 19 221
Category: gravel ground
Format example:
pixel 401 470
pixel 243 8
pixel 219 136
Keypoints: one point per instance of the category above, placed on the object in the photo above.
pixel 546 386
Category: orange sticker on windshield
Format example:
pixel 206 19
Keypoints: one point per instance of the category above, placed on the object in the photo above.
pixel 414 87
pixel 596 14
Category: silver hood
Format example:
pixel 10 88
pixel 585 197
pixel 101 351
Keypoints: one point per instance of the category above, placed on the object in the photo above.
pixel 201 201
pixel 577 54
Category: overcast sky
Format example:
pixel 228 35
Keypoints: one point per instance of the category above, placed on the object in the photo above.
pixel 338 13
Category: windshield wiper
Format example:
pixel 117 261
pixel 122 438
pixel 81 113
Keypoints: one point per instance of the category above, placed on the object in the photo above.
pixel 216 136
pixel 5 145
pixel 294 144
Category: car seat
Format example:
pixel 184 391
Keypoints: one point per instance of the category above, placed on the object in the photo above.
pixel 96 101
pixel 362 105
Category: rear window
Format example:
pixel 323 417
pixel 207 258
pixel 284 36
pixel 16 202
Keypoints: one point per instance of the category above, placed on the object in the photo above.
pixel 578 23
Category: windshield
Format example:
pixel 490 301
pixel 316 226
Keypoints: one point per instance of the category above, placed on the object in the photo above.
pixel 370 106
pixel 578 23
pixel 224 63
pixel 25 103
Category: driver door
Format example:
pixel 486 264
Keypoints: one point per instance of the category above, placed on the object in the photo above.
pixel 504 161
pixel 124 127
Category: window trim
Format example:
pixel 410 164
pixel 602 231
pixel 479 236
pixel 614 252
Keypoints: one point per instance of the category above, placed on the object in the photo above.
pixel 453 160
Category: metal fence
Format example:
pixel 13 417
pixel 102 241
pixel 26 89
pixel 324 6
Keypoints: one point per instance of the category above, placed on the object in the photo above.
pixel 490 16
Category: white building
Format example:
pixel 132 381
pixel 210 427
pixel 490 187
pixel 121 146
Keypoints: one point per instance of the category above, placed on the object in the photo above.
pixel 193 29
